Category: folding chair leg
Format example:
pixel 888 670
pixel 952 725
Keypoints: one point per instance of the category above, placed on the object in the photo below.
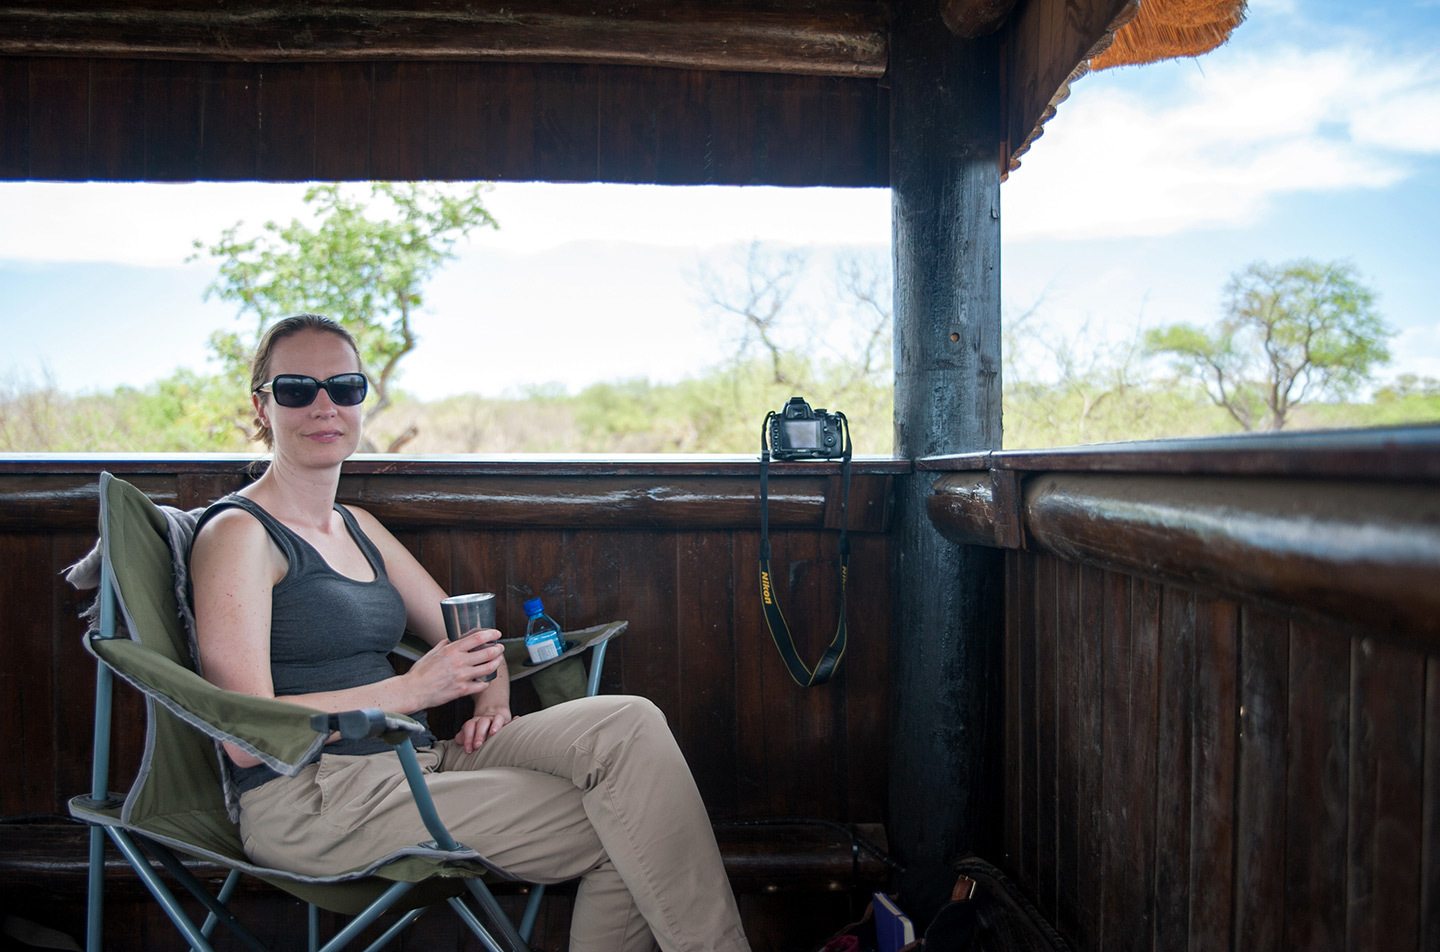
pixel 312 924
pixel 227 889
pixel 476 926
pixel 532 911
pixel 141 864
pixel 501 922
pixel 396 929
pixel 372 912
pixel 95 904
pixel 217 908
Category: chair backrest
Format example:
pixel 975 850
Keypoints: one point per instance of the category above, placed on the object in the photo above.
pixel 178 790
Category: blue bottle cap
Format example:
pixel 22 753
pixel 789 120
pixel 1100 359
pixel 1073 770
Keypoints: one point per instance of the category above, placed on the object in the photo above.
pixel 534 606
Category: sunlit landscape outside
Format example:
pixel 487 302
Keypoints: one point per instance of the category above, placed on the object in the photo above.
pixel 1246 241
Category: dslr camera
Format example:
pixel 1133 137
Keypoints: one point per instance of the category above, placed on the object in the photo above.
pixel 798 432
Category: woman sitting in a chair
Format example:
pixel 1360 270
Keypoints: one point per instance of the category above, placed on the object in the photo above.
pixel 300 598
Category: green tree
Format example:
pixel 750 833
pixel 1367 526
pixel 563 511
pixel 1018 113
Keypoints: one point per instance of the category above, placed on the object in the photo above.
pixel 790 332
pixel 363 262
pixel 1291 333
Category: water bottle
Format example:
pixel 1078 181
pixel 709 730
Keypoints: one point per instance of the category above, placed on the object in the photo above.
pixel 543 640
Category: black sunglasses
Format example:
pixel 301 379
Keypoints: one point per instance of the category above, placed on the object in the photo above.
pixel 298 390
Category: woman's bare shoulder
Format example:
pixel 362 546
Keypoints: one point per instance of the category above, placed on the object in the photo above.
pixel 230 523
pixel 229 536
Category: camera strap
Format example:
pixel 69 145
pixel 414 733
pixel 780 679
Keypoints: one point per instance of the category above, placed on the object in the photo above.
pixel 803 674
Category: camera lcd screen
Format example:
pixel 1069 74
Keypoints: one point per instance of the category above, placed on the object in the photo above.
pixel 802 433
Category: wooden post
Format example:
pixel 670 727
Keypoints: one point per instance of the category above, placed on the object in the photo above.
pixel 945 181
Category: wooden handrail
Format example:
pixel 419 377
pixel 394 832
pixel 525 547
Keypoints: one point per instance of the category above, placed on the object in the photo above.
pixel 411 494
pixel 1363 553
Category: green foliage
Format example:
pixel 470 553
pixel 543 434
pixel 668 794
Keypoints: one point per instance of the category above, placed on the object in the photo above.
pixel 1406 386
pixel 363 263
pixel 1041 415
pixel 718 412
pixel 1294 333
pixel 184 413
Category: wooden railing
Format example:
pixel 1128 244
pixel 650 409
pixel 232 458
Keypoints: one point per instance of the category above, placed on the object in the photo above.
pixel 1222 686
pixel 671 545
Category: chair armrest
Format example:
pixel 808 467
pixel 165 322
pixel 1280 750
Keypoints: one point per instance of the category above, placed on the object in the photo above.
pixel 278 732
pixel 579 641
pixel 411 648
pixel 368 722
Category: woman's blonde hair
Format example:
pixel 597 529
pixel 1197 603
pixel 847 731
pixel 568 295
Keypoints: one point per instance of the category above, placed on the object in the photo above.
pixel 281 329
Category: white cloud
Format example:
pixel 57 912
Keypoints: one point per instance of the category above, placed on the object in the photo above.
pixel 147 225
pixel 154 225
pixel 1413 351
pixel 1121 159
pixel 536 216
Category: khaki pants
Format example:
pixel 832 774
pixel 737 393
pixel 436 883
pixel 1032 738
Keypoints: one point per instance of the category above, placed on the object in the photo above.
pixel 596 788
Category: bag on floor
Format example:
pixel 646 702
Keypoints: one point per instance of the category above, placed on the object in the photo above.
pixel 986 913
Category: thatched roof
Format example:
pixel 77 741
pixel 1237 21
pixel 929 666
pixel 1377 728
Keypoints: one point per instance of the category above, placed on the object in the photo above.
pixel 1167 29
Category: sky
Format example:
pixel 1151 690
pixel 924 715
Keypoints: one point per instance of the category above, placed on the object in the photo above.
pixel 1315 132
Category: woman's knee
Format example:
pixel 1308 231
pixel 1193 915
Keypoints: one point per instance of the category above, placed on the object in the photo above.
pixel 630 707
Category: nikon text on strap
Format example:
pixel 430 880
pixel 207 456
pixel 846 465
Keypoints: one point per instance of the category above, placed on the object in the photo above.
pixel 770 598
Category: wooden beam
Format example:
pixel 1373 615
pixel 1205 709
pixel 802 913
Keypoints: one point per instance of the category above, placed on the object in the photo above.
pixel 945 668
pixel 969 19
pixel 845 38
pixel 978 508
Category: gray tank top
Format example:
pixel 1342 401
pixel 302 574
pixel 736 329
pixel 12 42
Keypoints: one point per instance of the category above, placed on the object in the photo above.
pixel 328 632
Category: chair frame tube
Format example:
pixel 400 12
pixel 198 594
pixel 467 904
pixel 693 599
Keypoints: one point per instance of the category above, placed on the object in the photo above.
pixel 431 817
pixel 227 889
pixel 159 890
pixel 100 768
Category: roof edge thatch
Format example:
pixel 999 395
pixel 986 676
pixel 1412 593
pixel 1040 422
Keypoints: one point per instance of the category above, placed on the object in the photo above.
pixel 1168 29
pixel 1146 31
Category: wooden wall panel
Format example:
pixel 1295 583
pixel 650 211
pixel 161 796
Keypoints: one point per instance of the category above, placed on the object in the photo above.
pixel 1317 785
pixel 15 126
pixel 706 641
pixel 1047 752
pixel 1026 706
pixel 115 119
pixel 173 97
pixel 1260 798
pixel 865 690
pixel 1430 855
pixel 1256 782
pixel 342 121
pixel 230 123
pixel 1386 795
pixel 1081 773
pixel 1212 811
pixel 27 679
pixel 1174 769
pixel 287 139
pixel 59 100
pixel 117 111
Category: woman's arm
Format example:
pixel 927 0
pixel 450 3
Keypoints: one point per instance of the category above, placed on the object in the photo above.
pixel 422 595
pixel 233 568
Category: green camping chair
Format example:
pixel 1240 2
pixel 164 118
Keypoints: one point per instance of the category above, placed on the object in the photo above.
pixel 177 803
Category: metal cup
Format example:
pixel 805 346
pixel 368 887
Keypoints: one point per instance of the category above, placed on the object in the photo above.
pixel 464 613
